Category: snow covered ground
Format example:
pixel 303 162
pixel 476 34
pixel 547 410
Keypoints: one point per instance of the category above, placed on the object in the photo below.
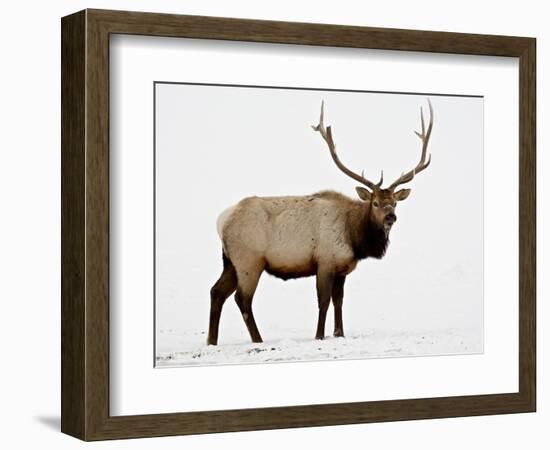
pixel 189 348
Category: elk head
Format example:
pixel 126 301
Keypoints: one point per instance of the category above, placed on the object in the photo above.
pixel 381 201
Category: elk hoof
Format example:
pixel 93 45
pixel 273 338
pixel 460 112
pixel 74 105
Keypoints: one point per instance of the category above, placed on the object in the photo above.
pixel 338 333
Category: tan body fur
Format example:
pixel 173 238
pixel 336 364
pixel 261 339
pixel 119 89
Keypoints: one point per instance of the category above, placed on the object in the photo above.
pixel 289 237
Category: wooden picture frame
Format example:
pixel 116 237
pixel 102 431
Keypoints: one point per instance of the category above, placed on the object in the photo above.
pixel 85 224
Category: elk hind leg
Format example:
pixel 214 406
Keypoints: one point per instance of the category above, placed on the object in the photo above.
pixel 337 300
pixel 222 289
pixel 247 282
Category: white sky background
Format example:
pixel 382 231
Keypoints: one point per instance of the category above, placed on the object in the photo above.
pixel 216 145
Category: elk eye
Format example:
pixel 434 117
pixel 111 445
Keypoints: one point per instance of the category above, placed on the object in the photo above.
pixel 376 204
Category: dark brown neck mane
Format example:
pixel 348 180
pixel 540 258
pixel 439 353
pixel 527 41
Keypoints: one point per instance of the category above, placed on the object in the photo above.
pixel 367 239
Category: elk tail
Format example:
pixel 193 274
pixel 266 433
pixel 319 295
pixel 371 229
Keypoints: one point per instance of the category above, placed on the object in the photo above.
pixel 222 219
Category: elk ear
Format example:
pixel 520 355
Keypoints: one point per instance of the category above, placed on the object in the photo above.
pixel 363 193
pixel 401 194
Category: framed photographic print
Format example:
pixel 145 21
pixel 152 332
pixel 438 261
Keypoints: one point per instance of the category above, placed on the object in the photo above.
pixel 271 224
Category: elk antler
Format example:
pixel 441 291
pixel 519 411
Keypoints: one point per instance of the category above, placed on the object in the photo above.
pixel 422 164
pixel 327 136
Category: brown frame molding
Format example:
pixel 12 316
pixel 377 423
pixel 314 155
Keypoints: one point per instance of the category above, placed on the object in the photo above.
pixel 85 224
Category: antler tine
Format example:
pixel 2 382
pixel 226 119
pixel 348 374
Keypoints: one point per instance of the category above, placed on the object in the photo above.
pixel 381 177
pixel 379 184
pixel 422 121
pixel 326 134
pixel 424 136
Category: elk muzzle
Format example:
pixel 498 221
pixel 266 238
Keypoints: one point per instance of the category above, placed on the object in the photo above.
pixel 390 219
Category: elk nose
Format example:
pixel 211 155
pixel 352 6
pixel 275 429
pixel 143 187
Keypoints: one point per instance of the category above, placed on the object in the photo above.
pixel 391 218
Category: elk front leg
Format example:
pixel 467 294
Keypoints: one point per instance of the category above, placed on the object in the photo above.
pixel 324 291
pixel 337 300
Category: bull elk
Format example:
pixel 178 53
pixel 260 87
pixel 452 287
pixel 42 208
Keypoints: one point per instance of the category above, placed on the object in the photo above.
pixel 324 234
